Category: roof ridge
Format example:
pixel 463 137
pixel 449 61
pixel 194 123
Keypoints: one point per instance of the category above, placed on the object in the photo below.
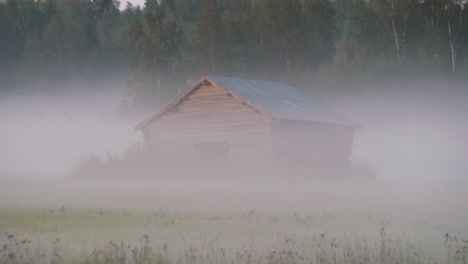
pixel 279 100
pixel 249 80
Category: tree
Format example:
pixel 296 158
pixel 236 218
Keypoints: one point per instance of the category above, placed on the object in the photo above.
pixel 241 49
pixel 362 41
pixel 433 45
pixel 210 35
pixel 400 19
pixel 156 40
pixel 285 20
pixel 53 34
pixel 188 11
pixel 98 7
pixel 320 31
pixel 454 16
pixel 78 32
pixel 9 39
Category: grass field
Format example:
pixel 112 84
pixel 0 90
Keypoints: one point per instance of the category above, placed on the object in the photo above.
pixel 154 223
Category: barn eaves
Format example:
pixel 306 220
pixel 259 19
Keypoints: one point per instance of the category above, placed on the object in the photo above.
pixel 280 100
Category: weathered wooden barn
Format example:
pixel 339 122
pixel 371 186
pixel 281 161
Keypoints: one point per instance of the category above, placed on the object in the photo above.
pixel 226 120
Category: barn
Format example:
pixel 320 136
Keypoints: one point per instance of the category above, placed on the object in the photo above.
pixel 234 121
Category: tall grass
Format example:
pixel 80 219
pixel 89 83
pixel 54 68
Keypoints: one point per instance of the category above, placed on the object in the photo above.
pixel 315 249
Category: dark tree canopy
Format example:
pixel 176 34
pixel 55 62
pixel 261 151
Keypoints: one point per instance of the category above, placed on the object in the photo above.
pixel 168 43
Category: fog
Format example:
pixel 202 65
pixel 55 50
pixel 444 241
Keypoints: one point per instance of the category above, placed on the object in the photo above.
pixel 410 130
pixel 411 141
pixel 45 135
pixel 233 171
pixel 412 135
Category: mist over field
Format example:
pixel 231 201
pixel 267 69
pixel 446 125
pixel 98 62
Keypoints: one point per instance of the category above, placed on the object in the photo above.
pixel 223 178
pixel 411 138
pixel 411 130
pixel 47 133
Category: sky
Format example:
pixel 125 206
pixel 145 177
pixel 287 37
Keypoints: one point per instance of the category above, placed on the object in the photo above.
pixel 123 3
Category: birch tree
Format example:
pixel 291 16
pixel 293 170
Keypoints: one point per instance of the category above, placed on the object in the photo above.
pixel 400 20
pixel 454 15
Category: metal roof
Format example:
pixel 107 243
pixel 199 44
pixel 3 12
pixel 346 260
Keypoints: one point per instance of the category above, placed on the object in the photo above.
pixel 282 100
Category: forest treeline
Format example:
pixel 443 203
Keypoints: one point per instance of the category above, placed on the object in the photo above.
pixel 168 43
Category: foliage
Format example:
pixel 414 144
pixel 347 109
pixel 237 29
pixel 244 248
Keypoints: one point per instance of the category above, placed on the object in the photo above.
pixel 169 43
pixel 156 39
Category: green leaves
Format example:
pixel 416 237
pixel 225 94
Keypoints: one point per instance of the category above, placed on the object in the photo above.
pixel 156 38
pixel 170 42
pixel 209 41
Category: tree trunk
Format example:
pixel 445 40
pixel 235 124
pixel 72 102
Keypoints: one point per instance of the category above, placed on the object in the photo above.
pixel 395 34
pixel 453 37
pixel 453 56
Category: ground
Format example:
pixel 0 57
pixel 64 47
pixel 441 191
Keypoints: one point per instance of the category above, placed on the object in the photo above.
pixel 221 221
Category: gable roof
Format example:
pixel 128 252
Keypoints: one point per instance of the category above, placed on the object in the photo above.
pixel 280 100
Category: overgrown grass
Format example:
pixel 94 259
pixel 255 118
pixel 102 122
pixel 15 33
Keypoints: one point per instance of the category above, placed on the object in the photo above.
pixel 315 249
pixel 73 235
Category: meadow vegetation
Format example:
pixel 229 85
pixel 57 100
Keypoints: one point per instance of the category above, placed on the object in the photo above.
pixel 400 74
pixel 84 235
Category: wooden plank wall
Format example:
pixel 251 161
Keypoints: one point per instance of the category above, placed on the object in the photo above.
pixel 319 144
pixel 211 114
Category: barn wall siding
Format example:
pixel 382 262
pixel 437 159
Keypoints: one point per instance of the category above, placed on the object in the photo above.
pixel 211 114
pixel 321 144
